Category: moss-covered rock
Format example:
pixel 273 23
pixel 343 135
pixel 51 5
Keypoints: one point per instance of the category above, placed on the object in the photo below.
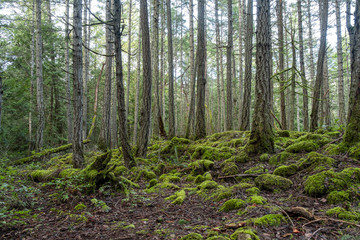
pixel 244 234
pixel 354 151
pixel 264 157
pixel 199 179
pixel 152 183
pixel 217 238
pixel 44 175
pixel 328 181
pixel 257 169
pixel 314 161
pixel 68 172
pixel 159 169
pixel 201 166
pixel 271 182
pixel 212 153
pixel 192 236
pixel 232 204
pixel 302 146
pixel 274 220
pixel 208 185
pixel 341 213
pixel 242 157
pixel 319 139
pixel 286 171
pixel 338 197
pixel 256 200
pixel 281 158
pixel 178 197
pixel 229 168
pixel 283 133
pixel 252 191
pixel 169 178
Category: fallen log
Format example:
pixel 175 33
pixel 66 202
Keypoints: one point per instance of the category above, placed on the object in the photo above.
pixel 46 152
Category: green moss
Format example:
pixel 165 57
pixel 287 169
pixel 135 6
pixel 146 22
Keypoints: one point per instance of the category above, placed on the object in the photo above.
pixel 338 197
pixel 130 226
pixel 80 207
pixel 241 186
pixel 212 153
pixel 190 178
pixel 208 185
pixel 302 146
pixel 257 169
pixel 152 183
pixel 315 160
pixel 119 170
pixel 178 197
pixel 217 238
pixel 199 179
pixel 44 175
pixel 192 236
pixel 154 147
pixel 229 169
pixel 242 157
pixel 232 204
pixel 344 214
pixel 264 157
pixel 256 200
pixel 201 166
pixel 280 158
pixel 328 181
pixel 244 233
pixel 159 169
pixel 354 151
pixel 273 220
pixel 252 191
pixel 283 133
pixel 334 134
pixel 207 176
pixel 169 185
pixel 271 182
pixel 319 139
pixel 169 178
pixel 286 171
pixel 68 172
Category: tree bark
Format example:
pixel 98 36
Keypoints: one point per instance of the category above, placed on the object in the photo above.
pixel 341 95
pixel 129 60
pixel 78 147
pixel 310 43
pixel 201 77
pixel 292 79
pixel 69 119
pixel 245 116
pixel 261 137
pixel 323 6
pixel 302 69
pixel 137 94
pixel 32 67
pixel 147 82
pixel 326 95
pixel 229 98
pixel 39 80
pixel 126 149
pixel 241 35
pixel 86 67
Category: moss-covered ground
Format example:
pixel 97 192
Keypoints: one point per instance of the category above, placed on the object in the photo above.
pixel 184 189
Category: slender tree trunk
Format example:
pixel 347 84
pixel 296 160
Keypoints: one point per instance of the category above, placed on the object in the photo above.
pixel 341 96
pixel 261 137
pixel 104 141
pixel 323 5
pixel 201 77
pixel 78 147
pixel 245 120
pixel 1 99
pixel 129 60
pixel 310 42
pixel 137 94
pixel 326 96
pixel 223 95
pixel 85 68
pixel 217 30
pixel 280 26
pixel 297 113
pixel 69 119
pixel 126 149
pixel 32 67
pixel 113 121
pixel 162 61
pixel 171 73
pixel 191 120
pixel 293 78
pixel 302 70
pixel 229 100
pixel 147 82
pixel 241 34
pixel 39 81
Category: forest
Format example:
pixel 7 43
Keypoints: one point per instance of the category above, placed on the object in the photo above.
pixel 164 119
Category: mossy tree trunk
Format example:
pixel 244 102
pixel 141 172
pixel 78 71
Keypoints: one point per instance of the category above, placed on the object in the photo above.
pixel 229 89
pixel 261 137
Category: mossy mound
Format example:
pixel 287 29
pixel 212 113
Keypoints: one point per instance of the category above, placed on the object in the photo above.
pixel 178 197
pixel 273 220
pixel 271 182
pixel 315 162
pixel 283 133
pixel 256 200
pixel 217 238
pixel 286 171
pixel 208 185
pixel 175 145
pixel 281 158
pixel 229 168
pixel 192 236
pixel 44 175
pixel 212 153
pixel 328 181
pixel 201 166
pixel 338 197
pixel 257 169
pixel 341 213
pixel 252 191
pixel 68 172
pixel 319 139
pixel 302 146
pixel 244 233
pixel 232 204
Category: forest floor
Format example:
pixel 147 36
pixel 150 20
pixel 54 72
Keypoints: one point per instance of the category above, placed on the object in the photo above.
pixel 206 189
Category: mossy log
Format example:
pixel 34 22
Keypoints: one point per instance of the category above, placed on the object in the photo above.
pixel 46 152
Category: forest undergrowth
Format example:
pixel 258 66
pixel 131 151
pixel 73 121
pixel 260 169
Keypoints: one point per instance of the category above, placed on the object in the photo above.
pixel 206 189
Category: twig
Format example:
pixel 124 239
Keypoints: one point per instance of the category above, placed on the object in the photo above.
pixel 292 223
pixel 331 219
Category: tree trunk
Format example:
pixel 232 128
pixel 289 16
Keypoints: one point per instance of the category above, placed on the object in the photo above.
pixel 292 79
pixel 129 61
pixel 229 98
pixel 326 96
pixel 104 141
pixel 86 68
pixel 323 6
pixel 32 67
pixel 69 119
pixel 310 42
pixel 137 94
pixel 341 95
pixel 39 81
pixel 302 70
pixel 241 34
pixel 280 26
pixel 126 149
pixel 78 147
pixel 147 82
pixel 191 120
pixel 171 72
pixel 261 137
pixel 245 116
pixel 1 101
pixel 200 131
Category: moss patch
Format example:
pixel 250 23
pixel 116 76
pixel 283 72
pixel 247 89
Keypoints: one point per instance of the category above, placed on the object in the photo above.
pixel 274 220
pixel 303 146
pixel 338 197
pixel 244 233
pixel 232 204
pixel 286 171
pixel 178 197
pixel 280 158
pixel 229 168
pixel 208 185
pixel 201 166
pixel 271 182
pixel 192 236
pixel 344 214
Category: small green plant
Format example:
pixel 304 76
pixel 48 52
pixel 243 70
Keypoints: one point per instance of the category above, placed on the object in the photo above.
pixel 100 204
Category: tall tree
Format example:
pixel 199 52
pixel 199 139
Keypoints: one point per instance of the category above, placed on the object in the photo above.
pixel 105 137
pixel 191 119
pixel 310 43
pixel 200 131
pixel 241 33
pixel 229 98
pixel 147 82
pixel 302 69
pixel 245 116
pixel 171 72
pixel 129 59
pixel 32 67
pixel 137 94
pixel 293 78
pixel 341 95
pixel 78 147
pixel 126 149
pixel 351 30
pixel 1 101
pixel 326 95
pixel 323 7
pixel 280 26
pixel 39 80
pixel 261 137
pixel 67 75
pixel 86 63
